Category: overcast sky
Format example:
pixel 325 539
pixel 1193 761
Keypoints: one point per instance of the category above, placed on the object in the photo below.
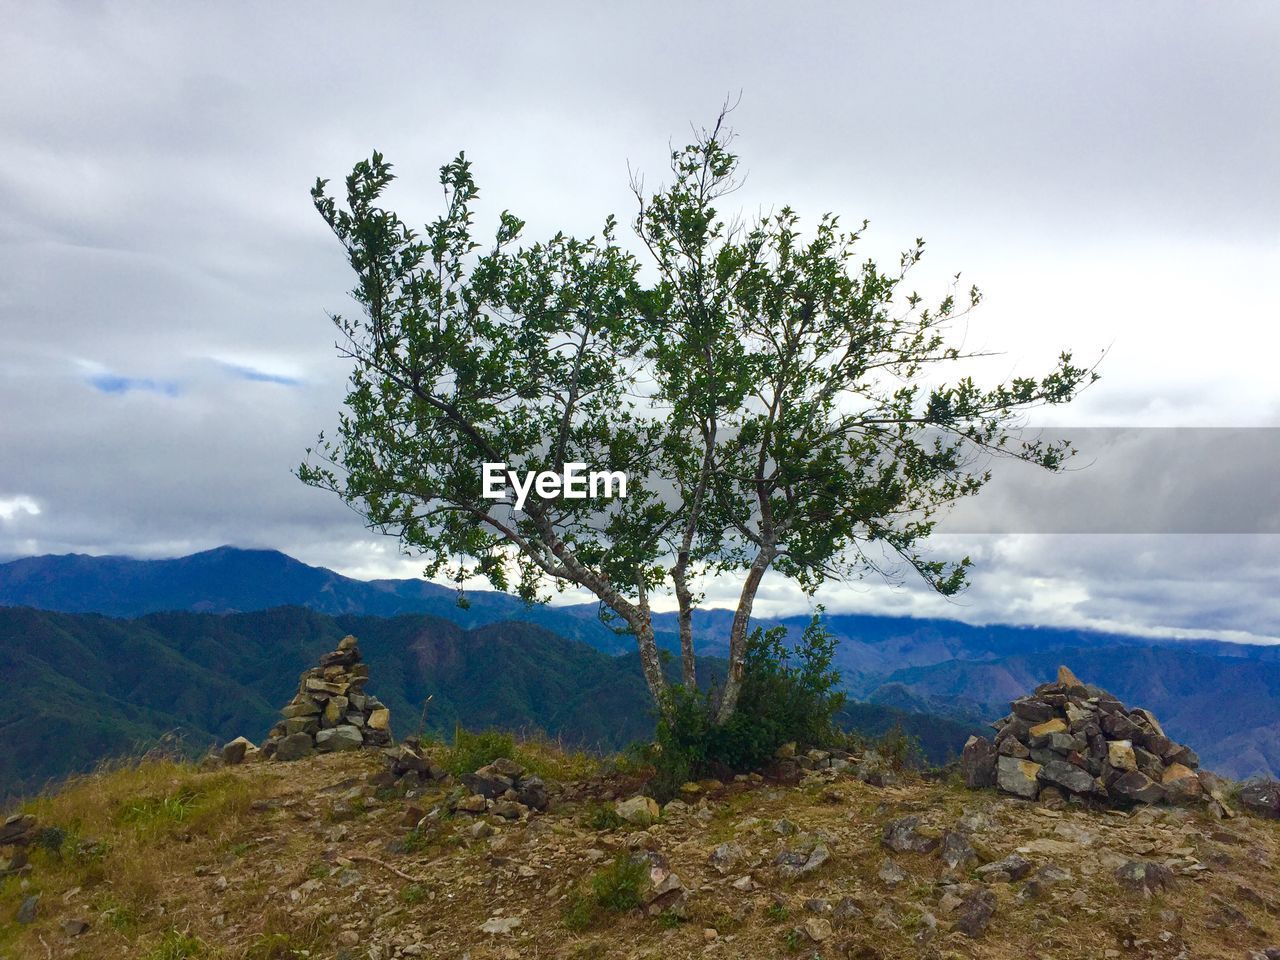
pixel 1106 172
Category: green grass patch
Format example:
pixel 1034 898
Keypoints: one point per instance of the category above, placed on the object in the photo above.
pixel 614 889
pixel 176 945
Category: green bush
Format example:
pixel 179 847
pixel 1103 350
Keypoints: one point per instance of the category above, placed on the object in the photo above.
pixel 471 751
pixel 787 694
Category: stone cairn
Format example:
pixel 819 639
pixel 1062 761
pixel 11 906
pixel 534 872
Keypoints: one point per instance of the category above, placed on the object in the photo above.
pixel 331 711
pixel 1072 738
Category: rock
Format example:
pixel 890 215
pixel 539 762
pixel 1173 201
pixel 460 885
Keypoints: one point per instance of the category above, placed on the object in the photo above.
pixel 662 882
pixel 891 874
pixel 509 809
pixel 18 830
pixel 798 862
pixel 500 925
pixel 532 792
pixel 1047 876
pixel 1261 798
pixel 1068 679
pixel 1148 719
pixel 295 746
pixel 973 915
pixel 1181 783
pixel 1032 710
pixel 234 752
pixel 1019 777
pixel 74 927
pixel 956 850
pixel 27 909
pixel 1145 876
pixel 639 810
pixel 345 737
pixel 903 836
pixel 1120 755
pixel 845 910
pixel 1011 869
pixel 488 782
pixel 978 763
pixel 817 929
pixel 1069 777
pixel 1041 732
pixel 724 857
pixel 1136 787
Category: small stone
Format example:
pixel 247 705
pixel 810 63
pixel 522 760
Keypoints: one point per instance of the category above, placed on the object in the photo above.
pixel 1013 868
pixel 1019 777
pixel 74 927
pixel 500 925
pixel 978 763
pixel 1069 777
pixel 973 915
pixel 956 850
pixel 1120 755
pixel 1261 798
pixel 1042 731
pixel 723 858
pixel 640 810
pixel 1145 876
pixel 1181 783
pixel 345 737
pixel 1136 787
pixel 234 752
pixel 797 863
pixel 891 874
pixel 904 836
pixel 817 929
pixel 295 746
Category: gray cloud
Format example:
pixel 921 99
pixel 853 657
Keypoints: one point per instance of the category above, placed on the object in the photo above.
pixel 1104 171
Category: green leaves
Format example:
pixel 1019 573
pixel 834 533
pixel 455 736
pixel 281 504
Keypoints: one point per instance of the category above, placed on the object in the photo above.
pixel 775 399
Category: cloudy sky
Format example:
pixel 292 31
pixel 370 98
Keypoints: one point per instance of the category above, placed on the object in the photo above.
pixel 1106 172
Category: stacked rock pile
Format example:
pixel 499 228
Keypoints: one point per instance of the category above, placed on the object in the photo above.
pixel 1074 738
pixel 331 711
pixel 502 788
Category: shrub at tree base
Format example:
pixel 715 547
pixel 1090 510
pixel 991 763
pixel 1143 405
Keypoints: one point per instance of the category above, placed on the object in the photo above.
pixel 788 694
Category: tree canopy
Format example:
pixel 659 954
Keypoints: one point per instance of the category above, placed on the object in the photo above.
pixel 776 401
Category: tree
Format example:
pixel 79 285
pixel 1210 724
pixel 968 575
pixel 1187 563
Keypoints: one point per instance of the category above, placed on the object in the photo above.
pixel 775 403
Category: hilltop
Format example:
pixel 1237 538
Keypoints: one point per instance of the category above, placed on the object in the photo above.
pixel 325 858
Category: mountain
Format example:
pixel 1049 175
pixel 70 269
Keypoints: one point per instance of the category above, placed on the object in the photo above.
pixel 917 666
pixel 84 687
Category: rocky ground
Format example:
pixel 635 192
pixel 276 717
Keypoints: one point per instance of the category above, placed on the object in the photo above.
pixel 313 859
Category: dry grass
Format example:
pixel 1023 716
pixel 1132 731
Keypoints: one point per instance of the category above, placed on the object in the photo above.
pixel 119 836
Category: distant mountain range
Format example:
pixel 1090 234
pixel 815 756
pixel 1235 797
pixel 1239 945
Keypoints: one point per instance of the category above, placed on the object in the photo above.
pixel 83 687
pixel 1223 699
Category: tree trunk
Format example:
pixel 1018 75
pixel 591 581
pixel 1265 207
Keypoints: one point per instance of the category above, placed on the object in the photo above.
pixel 738 635
pixel 684 597
pixel 649 658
